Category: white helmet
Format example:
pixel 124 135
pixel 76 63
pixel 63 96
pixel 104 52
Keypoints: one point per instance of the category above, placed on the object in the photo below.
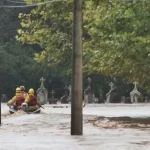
pixel 24 106
pixel 22 88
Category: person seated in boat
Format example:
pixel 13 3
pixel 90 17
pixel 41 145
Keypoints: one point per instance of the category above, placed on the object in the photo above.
pixel 31 102
pixel 23 91
pixel 17 100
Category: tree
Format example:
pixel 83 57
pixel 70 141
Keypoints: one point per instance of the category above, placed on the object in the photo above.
pixel 115 37
pixel 124 45
pixel 16 60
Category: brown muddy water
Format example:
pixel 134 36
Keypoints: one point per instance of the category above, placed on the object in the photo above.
pixel 120 122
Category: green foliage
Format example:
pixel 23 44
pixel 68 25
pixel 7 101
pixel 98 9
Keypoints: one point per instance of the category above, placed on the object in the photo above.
pixel 116 39
pixel 121 40
pixel 17 66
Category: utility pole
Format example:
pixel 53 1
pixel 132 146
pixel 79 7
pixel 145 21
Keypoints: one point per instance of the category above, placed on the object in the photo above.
pixel 0 111
pixel 76 103
pixel 0 99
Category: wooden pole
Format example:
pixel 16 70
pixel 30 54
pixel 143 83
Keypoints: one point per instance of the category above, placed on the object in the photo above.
pixel 0 98
pixel 0 110
pixel 76 103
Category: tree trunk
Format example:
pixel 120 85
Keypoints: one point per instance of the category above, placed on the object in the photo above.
pixel 0 96
pixel 76 103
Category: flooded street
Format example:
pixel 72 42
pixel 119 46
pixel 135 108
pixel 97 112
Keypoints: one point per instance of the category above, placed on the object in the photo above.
pixel 51 129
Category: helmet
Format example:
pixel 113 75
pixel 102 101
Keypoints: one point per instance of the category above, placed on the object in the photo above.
pixel 31 91
pixel 22 88
pixel 18 90
pixel 24 106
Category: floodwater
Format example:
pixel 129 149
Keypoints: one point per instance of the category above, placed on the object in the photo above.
pixel 121 122
pixel 51 130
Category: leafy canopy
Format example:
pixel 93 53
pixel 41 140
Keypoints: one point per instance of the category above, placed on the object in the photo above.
pixel 116 36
